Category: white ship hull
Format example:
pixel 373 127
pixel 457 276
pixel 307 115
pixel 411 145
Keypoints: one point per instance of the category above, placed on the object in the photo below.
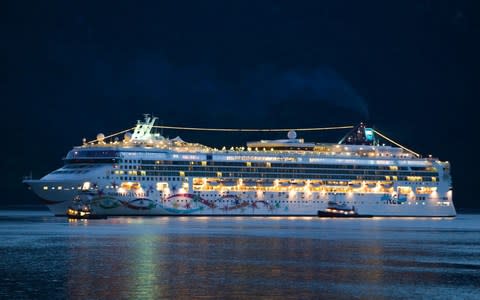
pixel 147 174
pixel 241 203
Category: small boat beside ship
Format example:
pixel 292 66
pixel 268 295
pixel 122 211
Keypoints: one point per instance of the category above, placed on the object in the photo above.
pixel 79 210
pixel 340 210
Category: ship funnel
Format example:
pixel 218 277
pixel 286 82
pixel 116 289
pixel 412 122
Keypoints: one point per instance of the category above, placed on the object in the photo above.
pixel 359 135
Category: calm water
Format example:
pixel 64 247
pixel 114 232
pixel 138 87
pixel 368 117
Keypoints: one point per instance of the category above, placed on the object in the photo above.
pixel 178 257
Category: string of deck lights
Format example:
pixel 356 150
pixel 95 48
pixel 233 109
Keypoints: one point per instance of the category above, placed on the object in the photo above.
pixel 230 129
pixel 395 143
pixel 252 129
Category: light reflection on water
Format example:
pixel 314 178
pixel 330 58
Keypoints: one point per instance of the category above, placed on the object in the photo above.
pixel 239 257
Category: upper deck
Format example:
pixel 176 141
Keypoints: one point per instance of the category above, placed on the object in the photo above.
pixel 150 156
pixel 359 144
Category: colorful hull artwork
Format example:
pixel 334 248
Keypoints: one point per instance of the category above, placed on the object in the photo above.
pixel 181 204
pixel 98 199
pixel 140 204
pixel 107 202
pixel 189 203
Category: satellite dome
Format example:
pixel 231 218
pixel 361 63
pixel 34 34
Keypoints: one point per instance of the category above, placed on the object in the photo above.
pixel 292 134
pixel 100 137
pixel 127 137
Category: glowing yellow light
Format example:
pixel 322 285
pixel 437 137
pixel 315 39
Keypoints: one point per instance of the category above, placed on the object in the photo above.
pixel 161 186
pixel 308 193
pixel 259 194
pixel 411 195
pixel 86 185
pixel 292 194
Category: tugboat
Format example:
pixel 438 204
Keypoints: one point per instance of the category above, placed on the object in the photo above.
pixel 81 210
pixel 336 210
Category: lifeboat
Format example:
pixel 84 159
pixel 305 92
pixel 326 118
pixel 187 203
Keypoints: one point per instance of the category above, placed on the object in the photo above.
pixel 267 183
pixel 299 183
pixel 249 182
pixel 284 183
pixel 387 185
pixel 372 184
pixel 355 185
pixel 315 183
pixel 229 182
pixel 213 182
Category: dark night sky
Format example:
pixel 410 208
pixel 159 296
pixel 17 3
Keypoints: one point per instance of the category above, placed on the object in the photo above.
pixel 71 69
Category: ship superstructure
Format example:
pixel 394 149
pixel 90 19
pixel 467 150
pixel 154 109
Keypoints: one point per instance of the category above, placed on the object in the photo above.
pixel 148 174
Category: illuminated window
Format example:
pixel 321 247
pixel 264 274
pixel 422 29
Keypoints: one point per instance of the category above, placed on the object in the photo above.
pixel 161 186
pixel 86 185
pixel 414 178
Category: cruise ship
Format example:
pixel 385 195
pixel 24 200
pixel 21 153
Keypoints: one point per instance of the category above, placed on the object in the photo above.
pixel 140 172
